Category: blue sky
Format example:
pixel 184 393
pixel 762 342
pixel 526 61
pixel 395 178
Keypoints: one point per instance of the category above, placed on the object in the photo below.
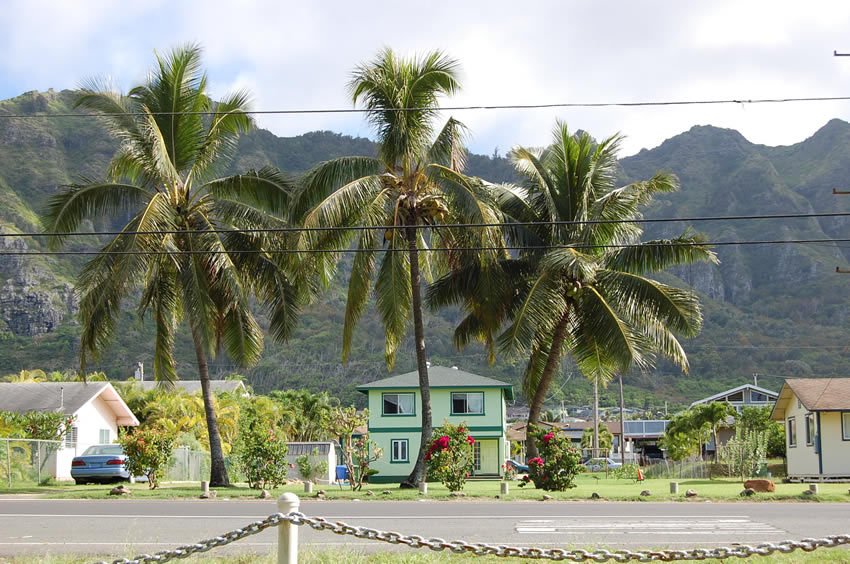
pixel 300 55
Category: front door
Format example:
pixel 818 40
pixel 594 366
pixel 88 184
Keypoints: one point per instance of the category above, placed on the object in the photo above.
pixel 486 455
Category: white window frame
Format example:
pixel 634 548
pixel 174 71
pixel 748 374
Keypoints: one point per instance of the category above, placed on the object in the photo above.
pixel 845 425
pixel 791 431
pixel 811 429
pixel 71 436
pixel 105 436
pixel 399 447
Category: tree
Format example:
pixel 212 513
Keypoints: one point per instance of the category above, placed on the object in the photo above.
pixel 414 183
pixel 711 416
pixel 579 284
pixel 191 244
pixel 605 440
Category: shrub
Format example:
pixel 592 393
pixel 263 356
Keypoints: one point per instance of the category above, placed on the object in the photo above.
pixel 310 470
pixel 450 456
pixel 558 464
pixel 261 445
pixel 148 451
pixel 625 472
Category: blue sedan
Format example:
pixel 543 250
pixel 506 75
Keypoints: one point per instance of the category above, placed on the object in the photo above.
pixel 518 467
pixel 100 463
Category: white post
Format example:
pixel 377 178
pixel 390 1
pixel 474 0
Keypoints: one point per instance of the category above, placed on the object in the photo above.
pixel 287 533
pixel 423 488
pixel 308 487
pixel 504 488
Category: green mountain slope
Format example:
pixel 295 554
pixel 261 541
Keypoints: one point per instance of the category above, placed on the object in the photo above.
pixel 776 310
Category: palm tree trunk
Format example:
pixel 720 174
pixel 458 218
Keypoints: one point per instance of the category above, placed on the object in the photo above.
pixel 552 363
pixel 218 471
pixel 417 475
pixel 622 422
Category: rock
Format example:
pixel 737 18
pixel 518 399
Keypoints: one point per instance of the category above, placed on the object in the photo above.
pixel 546 497
pixel 208 495
pixel 691 493
pixel 748 492
pixel 120 490
pixel 457 494
pixel 370 493
pixel 760 485
pixel 265 494
pixel 386 492
pixel 321 492
pixel 595 495
pixel 646 493
pixel 808 493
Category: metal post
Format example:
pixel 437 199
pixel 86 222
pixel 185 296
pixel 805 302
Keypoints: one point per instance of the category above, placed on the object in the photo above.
pixel 287 533
pixel 38 460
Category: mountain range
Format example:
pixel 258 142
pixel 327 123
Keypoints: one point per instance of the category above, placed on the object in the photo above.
pixel 772 307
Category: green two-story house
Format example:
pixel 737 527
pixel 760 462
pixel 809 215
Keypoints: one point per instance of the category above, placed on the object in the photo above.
pixel 395 418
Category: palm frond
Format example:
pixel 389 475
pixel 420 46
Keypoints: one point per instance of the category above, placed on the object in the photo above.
pixel 68 208
pixel 448 149
pixel 359 283
pixel 334 189
pixel 394 297
pixel 267 189
pixel 660 254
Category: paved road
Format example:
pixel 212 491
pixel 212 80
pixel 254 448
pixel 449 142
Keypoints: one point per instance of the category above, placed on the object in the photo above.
pixel 127 527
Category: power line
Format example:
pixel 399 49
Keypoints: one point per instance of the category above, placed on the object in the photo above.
pixel 177 252
pixel 303 111
pixel 693 219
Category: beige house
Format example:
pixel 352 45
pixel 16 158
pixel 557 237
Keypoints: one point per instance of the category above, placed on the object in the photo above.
pixel 816 415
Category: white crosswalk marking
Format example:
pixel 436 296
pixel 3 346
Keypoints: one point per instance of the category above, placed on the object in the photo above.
pixel 667 527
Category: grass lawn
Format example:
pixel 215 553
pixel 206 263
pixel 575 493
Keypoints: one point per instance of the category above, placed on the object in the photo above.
pixel 407 557
pixel 610 489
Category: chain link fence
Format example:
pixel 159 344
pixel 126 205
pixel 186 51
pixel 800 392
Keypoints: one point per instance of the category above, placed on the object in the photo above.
pixel 288 543
pixel 25 462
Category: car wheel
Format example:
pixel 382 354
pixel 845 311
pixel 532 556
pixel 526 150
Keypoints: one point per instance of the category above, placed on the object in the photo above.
pixel 80 482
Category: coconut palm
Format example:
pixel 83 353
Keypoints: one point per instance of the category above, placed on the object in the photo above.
pixel 580 284
pixel 414 183
pixel 191 244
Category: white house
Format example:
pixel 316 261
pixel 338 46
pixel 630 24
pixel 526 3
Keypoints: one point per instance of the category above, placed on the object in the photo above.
pixel 816 414
pixel 96 406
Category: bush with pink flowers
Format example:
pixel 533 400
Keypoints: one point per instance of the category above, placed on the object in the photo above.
pixel 557 465
pixel 450 456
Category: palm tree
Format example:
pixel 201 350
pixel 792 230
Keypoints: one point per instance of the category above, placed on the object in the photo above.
pixel 579 284
pixel 191 243
pixel 414 183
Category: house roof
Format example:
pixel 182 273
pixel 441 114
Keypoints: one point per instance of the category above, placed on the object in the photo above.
pixel 517 430
pixel 439 377
pixel 735 390
pixel 194 386
pixel 816 394
pixel 63 397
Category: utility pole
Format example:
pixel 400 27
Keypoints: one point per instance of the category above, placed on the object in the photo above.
pixel 755 379
pixel 595 450
pixel 622 422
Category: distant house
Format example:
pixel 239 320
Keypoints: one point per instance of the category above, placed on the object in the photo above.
pixel 816 415
pixel 96 406
pixel 747 395
pixel 395 418
pixel 194 386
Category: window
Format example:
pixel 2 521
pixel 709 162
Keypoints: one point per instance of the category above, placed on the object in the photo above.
pixel 476 456
pixel 399 404
pixel 468 403
pixel 792 432
pixel 71 437
pixel 845 426
pixel 758 397
pixel 104 437
pixel 399 450
pixel 738 396
pixel 810 429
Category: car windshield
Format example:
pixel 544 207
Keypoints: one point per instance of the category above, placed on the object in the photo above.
pixel 103 449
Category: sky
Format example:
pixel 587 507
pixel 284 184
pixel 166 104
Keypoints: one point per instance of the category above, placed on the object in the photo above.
pixel 300 55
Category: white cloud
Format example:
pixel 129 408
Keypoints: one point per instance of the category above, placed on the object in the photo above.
pixel 300 55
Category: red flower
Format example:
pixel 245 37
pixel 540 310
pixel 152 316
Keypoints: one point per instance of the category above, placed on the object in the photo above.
pixel 548 437
pixel 470 440
pixel 536 461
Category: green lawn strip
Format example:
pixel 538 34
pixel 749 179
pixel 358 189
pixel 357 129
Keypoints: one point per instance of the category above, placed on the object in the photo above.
pixel 308 556
pixel 608 488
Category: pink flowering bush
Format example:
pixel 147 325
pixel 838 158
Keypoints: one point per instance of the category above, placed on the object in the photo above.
pixel 558 464
pixel 450 456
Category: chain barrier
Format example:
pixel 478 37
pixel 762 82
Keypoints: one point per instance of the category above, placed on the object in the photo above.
pixel 483 549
